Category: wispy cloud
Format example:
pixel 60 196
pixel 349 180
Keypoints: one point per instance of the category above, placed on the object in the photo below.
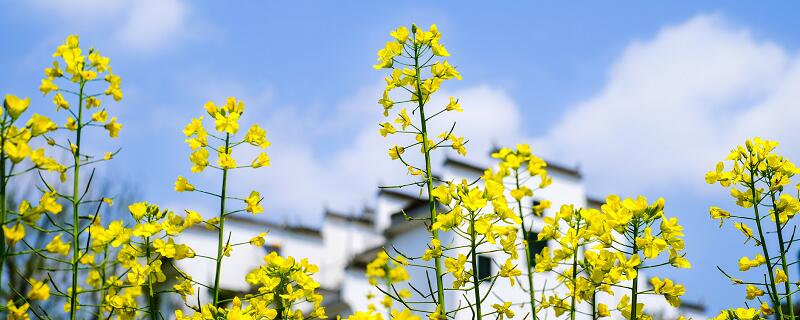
pixel 674 104
pixel 143 27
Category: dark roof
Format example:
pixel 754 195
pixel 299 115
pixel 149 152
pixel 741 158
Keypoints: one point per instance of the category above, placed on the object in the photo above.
pixel 552 166
pixel 694 306
pixel 594 202
pixel 397 193
pixel 361 260
pixel 399 216
pixel 399 224
pixel 363 218
pixel 295 228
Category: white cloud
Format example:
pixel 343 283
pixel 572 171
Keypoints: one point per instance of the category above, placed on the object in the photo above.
pixel 674 104
pixel 141 26
pixel 152 24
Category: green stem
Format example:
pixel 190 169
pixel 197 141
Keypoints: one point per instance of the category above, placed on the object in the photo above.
pixel 775 300
pixel 151 295
pixel 474 257
pixel 76 252
pixel 779 231
pixel 429 181
pixel 635 286
pixel 525 235
pixel 3 203
pixel 388 287
pixel 574 279
pixel 221 234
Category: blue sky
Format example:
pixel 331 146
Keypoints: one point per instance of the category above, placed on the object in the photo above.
pixel 644 98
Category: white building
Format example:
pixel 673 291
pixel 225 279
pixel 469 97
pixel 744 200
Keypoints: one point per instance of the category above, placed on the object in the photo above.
pixel 346 242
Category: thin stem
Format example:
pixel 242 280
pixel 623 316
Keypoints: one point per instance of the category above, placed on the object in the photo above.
pixel 3 183
pixel 429 180
pixel 221 234
pixel 151 297
pixel 525 236
pixel 635 285
pixel 475 274
pixel 75 208
pixel 774 296
pixel 779 231
pixel 575 275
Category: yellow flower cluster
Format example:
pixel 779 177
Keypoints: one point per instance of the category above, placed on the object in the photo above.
pixel 387 271
pixel 412 56
pixel 515 168
pixel 621 240
pixel 421 76
pixel 91 253
pixel 284 284
pixel 757 179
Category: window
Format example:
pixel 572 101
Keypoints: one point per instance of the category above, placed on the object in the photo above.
pixel 484 267
pixel 535 246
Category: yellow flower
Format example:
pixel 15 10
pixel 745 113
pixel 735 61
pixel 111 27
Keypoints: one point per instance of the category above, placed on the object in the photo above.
pixel 746 231
pixel 39 290
pixel 510 271
pixel 14 234
pixel 395 152
pixel 100 116
pixel 184 288
pixel 474 199
pixel 745 263
pixel 113 127
pixel 780 276
pixel 71 124
pixel 434 250
pixel 602 310
pixel 182 185
pixel 454 105
pixel 401 34
pixel 138 210
pixel 227 123
pixel 254 203
pixel 753 292
pixel 503 310
pixel 766 310
pixel 258 240
pixel 226 161
pixel 718 213
pixel 262 160
pixel 668 289
pixel 17 313
pixel 652 246
pixel 17 151
pixel 15 106
pixel 58 246
pixel 60 102
pixel 48 202
pixel 40 125
pixel 257 136
pixel 92 102
pixel 402 119
pixel 113 89
pixel 746 314
pixel 194 127
pixel 386 129
pixel 47 86
pixel 200 160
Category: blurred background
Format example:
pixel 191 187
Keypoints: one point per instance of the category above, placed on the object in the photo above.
pixel 642 99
